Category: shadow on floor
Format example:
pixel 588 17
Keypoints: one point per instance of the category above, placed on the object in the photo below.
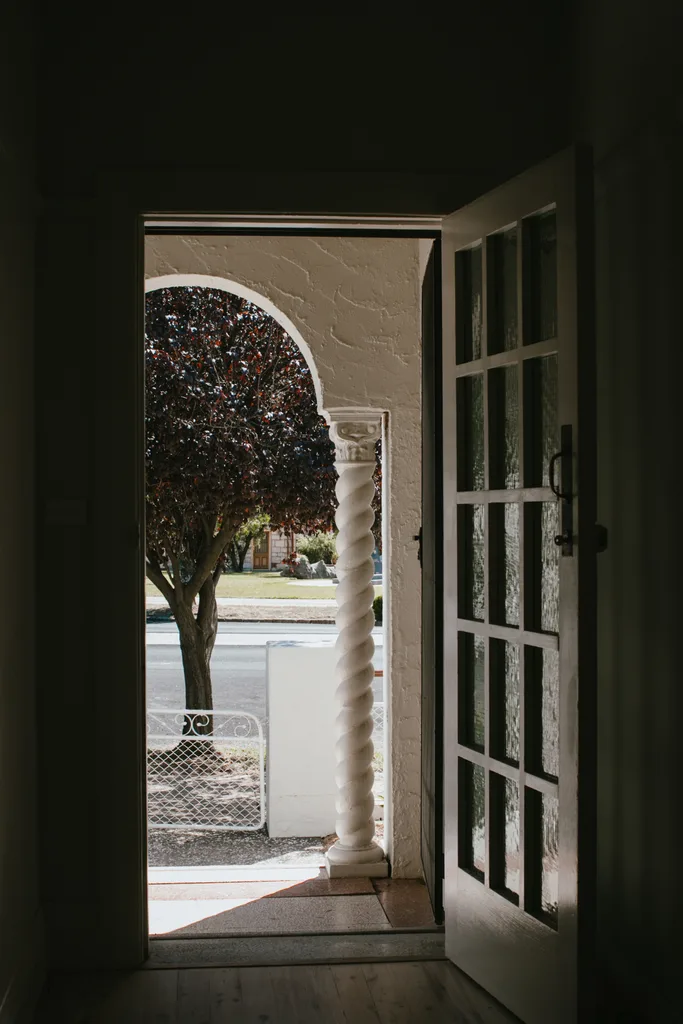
pixel 316 905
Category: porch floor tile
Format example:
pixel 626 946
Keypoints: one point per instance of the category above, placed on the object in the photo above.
pixel 405 901
pixel 266 916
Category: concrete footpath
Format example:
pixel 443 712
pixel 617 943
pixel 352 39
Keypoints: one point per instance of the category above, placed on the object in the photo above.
pixel 260 634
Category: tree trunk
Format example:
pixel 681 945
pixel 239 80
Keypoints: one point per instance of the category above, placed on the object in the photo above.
pixel 233 556
pixel 243 554
pixel 197 639
pixel 238 554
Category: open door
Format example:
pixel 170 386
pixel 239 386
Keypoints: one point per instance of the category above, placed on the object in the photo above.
pixel 432 591
pixel 519 589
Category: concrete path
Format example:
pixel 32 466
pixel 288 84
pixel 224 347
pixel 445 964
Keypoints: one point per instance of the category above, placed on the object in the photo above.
pixel 239 602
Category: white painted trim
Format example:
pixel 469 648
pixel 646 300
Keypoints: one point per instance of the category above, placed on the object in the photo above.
pixel 153 284
pixel 349 413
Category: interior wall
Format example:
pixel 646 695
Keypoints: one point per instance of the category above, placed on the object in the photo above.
pixel 355 302
pixel 630 106
pixel 20 922
pixel 452 91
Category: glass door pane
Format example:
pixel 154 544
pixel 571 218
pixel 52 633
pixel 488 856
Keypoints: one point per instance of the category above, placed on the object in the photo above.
pixel 509 564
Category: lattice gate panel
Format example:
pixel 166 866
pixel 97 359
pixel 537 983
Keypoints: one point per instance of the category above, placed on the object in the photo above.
pixel 205 770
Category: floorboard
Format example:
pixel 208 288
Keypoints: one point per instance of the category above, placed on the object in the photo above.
pixel 433 992
pixel 355 998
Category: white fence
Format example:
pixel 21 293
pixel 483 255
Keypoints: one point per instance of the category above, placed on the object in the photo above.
pixel 216 780
pixel 205 770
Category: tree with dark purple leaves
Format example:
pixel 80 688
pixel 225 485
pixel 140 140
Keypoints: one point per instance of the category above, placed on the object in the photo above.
pixel 232 429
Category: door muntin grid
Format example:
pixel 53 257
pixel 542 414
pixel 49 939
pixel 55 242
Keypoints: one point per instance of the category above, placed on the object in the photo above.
pixel 508 563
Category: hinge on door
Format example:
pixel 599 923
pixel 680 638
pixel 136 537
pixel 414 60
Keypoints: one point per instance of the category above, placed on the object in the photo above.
pixel 418 538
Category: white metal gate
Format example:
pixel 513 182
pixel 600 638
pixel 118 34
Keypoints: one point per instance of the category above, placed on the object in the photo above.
pixel 200 781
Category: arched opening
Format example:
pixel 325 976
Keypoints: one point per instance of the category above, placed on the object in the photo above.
pixel 227 744
pixel 257 298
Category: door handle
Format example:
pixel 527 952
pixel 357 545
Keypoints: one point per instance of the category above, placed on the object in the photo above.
pixel 551 473
pixel 563 490
pixel 559 494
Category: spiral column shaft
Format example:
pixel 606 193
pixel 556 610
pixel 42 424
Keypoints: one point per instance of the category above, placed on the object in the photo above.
pixel 355 852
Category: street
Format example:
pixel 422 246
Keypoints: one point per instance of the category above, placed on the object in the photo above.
pixel 238 664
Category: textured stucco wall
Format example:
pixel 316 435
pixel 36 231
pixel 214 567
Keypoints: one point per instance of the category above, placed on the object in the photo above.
pixel 355 304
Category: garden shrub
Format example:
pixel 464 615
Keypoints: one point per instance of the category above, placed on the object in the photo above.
pixel 319 547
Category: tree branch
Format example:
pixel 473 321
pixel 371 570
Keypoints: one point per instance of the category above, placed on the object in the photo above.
pixel 207 562
pixel 156 576
pixel 209 525
pixel 175 562
pixel 206 611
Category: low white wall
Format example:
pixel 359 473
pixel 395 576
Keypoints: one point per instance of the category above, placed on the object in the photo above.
pixel 301 709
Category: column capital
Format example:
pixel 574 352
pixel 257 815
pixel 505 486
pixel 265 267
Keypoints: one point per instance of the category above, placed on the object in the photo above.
pixel 354 433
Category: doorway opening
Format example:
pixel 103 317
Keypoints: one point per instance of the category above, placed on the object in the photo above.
pixel 485 928
pixel 203 880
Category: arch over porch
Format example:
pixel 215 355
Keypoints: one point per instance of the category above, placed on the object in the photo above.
pixel 353 432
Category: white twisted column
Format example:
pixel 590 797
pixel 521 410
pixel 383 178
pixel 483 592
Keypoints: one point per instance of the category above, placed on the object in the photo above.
pixel 355 853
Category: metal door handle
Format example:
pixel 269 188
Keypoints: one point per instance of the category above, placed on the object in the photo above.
pixel 551 475
pixel 563 491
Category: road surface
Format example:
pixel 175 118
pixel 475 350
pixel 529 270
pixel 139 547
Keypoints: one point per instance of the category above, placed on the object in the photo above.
pixel 238 663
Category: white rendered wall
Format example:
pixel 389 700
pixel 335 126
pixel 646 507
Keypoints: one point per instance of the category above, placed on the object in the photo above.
pixel 301 709
pixel 355 303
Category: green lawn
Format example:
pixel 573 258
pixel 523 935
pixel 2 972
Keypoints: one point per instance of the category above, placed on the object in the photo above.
pixel 267 584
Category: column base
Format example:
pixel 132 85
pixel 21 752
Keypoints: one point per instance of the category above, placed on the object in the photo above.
pixel 345 863
pixel 378 869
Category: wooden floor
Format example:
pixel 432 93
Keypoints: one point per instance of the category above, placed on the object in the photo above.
pixel 433 992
